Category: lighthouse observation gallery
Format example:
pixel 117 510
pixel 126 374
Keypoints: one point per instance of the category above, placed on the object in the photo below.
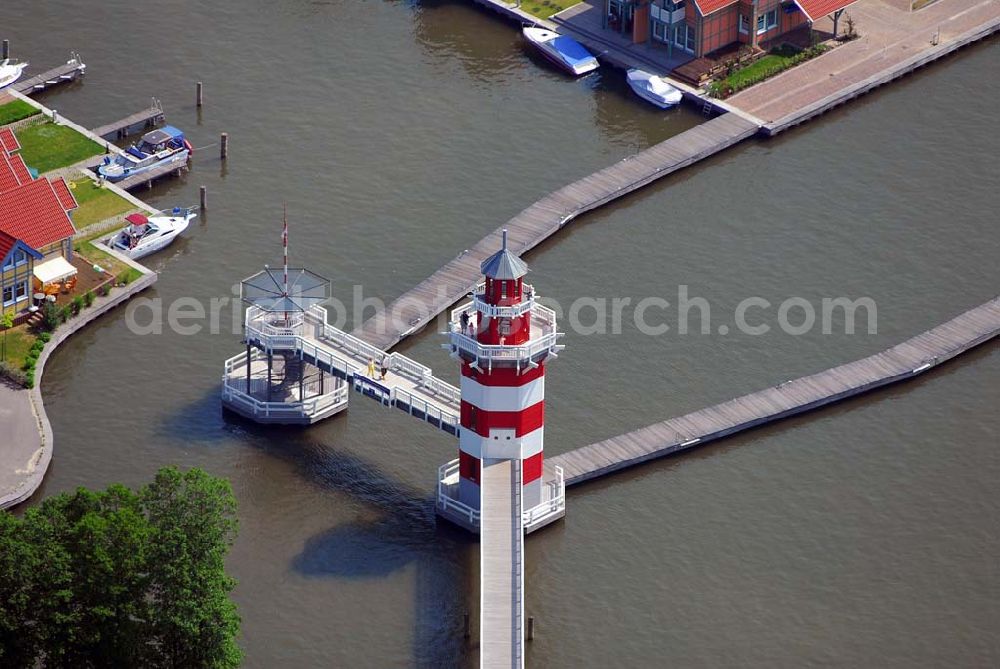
pixel 503 340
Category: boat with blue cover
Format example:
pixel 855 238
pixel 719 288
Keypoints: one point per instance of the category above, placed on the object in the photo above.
pixel 564 51
pixel 164 145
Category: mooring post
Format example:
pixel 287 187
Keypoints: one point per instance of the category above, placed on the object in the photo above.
pixel 203 196
pixel 531 627
pixel 5 52
pixel 224 146
pixel 467 633
pixel 200 87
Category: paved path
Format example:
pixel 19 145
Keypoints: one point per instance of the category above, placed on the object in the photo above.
pixel 890 36
pixel 21 447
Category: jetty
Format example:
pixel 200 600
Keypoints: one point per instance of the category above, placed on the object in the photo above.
pixel 546 217
pixel 149 176
pixel 898 363
pixel 72 69
pixel 147 118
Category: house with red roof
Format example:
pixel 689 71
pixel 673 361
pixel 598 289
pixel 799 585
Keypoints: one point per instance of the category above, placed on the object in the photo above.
pixel 699 27
pixel 36 232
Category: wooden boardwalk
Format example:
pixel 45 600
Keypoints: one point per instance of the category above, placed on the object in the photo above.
pixel 147 178
pixel 542 219
pixel 501 573
pixel 68 71
pixel 900 362
pixel 147 118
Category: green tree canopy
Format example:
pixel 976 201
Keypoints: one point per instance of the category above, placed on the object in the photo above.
pixel 121 578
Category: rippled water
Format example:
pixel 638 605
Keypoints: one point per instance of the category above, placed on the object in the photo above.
pixel 401 132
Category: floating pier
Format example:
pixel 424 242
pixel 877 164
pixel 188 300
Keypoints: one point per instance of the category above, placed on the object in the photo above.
pixel 547 216
pixel 149 176
pixel 147 118
pixel 903 361
pixel 72 69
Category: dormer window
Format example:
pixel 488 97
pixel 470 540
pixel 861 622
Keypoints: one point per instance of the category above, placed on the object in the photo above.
pixel 18 257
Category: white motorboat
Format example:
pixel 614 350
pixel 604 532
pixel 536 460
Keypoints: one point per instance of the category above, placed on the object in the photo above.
pixel 653 89
pixel 145 235
pixel 565 52
pixel 10 72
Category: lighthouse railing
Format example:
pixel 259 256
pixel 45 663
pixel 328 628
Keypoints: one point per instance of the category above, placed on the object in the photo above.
pixel 554 505
pixel 448 481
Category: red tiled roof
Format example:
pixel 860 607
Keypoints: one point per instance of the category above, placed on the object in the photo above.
pixel 8 141
pixel 34 214
pixel 64 194
pixel 817 9
pixel 6 244
pixel 9 178
pixel 706 7
pixel 20 169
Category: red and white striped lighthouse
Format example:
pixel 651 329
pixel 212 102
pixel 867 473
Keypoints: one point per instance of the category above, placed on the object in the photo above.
pixel 503 339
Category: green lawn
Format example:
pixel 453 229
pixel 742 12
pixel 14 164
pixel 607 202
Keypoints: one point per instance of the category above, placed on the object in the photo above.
pixel 85 249
pixel 49 146
pixel 543 9
pixel 96 204
pixel 15 111
pixel 19 341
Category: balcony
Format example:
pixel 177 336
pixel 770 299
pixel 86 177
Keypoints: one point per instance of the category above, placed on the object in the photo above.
pixel 543 342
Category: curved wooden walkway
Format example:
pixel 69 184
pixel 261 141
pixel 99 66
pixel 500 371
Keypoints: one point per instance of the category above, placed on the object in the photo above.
pixel 903 361
pixel 539 221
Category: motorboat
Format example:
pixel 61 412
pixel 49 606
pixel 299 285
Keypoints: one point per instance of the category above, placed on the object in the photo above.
pixel 144 235
pixel 653 89
pixel 563 51
pixel 157 147
pixel 10 71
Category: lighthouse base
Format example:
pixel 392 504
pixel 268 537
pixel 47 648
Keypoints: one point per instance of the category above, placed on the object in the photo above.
pixel 551 508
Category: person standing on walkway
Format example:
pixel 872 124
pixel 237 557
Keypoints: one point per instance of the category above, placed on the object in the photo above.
pixel 465 322
pixel 371 368
pixel 385 366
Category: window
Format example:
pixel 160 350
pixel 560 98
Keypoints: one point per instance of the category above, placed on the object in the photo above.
pixel 15 292
pixel 744 28
pixel 684 37
pixel 503 289
pixel 767 21
pixel 660 30
pixel 18 257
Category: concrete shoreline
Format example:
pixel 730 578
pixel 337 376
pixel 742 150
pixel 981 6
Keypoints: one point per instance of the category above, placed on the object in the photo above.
pixel 14 403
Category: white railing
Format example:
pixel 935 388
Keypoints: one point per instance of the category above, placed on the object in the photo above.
pixel 272 324
pixel 542 318
pixel 234 391
pixel 554 505
pixel 429 410
pixel 517 564
pixel 448 503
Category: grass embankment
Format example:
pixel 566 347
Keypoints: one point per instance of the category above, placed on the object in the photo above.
pixel 84 247
pixel 543 9
pixel 96 204
pixel 50 146
pixel 15 111
pixel 777 60
pixel 19 342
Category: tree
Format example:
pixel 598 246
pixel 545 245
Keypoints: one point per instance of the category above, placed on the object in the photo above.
pixel 121 578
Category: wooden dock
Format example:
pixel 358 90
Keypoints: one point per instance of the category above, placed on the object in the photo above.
pixel 147 118
pixel 71 70
pixel 501 573
pixel 903 361
pixel 147 178
pixel 542 219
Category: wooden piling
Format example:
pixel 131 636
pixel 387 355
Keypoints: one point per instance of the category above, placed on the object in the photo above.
pixel 203 196
pixel 199 98
pixel 224 146
pixel 531 627
pixel 5 51
pixel 468 632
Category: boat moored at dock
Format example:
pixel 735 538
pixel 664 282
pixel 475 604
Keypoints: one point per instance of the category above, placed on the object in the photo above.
pixel 10 71
pixel 156 148
pixel 146 235
pixel 563 51
pixel 653 89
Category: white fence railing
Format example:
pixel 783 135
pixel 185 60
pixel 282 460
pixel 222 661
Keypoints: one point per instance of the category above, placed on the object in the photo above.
pixel 235 391
pixel 449 503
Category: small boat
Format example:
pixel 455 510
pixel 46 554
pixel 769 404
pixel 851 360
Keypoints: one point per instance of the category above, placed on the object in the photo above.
pixel 565 52
pixel 143 235
pixel 654 89
pixel 10 71
pixel 165 145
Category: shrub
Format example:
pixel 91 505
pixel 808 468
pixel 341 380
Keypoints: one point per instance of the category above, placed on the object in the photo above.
pixel 88 298
pixel 125 278
pixel 11 372
pixel 29 364
pixel 29 379
pixel 76 306
pixel 45 337
pixel 105 289
pixel 51 316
